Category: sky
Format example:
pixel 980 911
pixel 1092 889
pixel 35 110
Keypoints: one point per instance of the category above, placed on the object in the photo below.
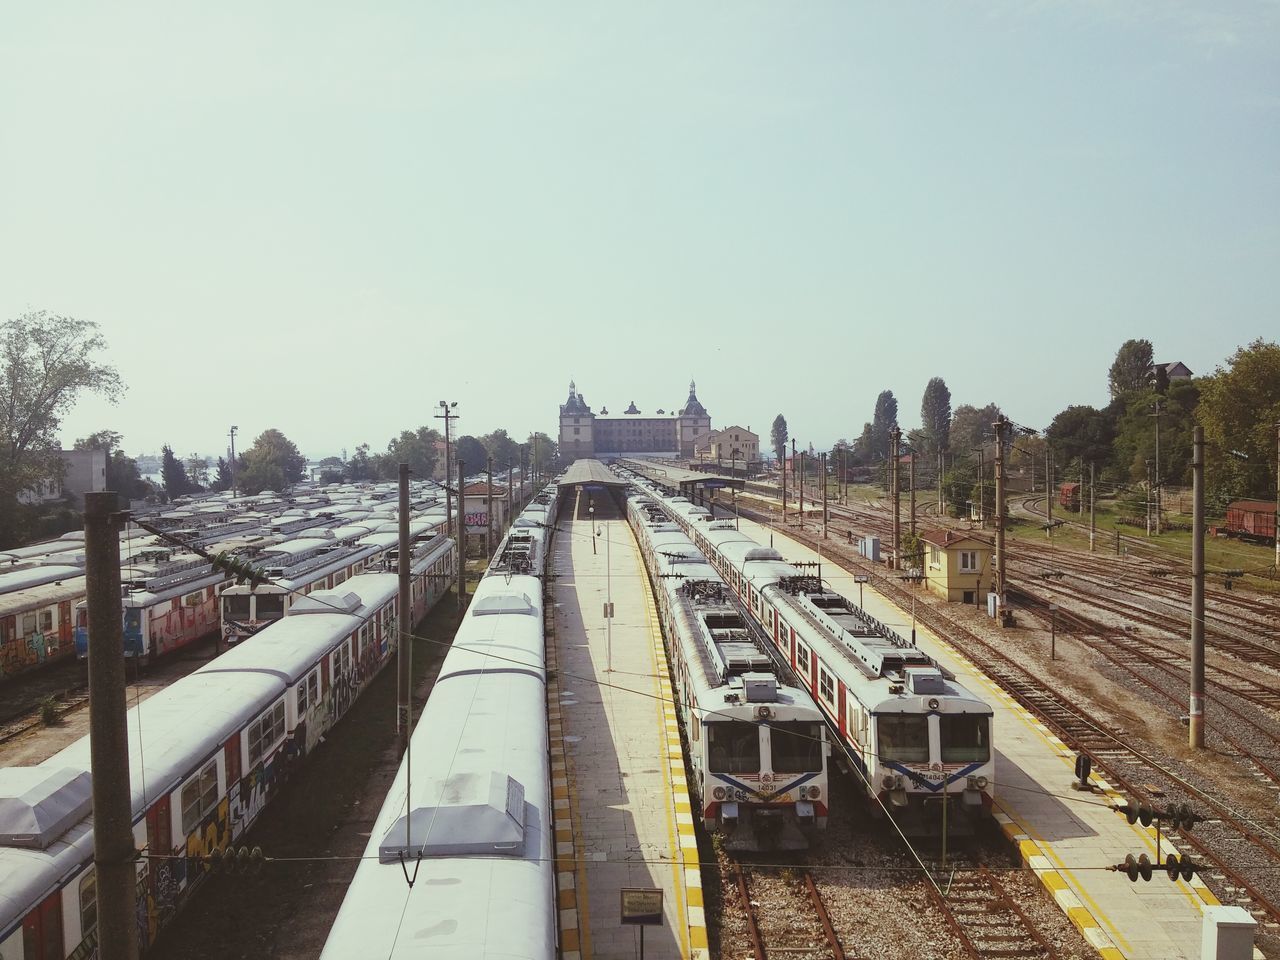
pixel 325 218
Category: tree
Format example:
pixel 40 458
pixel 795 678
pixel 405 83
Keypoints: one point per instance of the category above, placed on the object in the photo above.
pixel 971 426
pixel 882 424
pixel 417 448
pixel 173 475
pixel 471 452
pixel 197 471
pixel 862 446
pixel 778 438
pixel 102 440
pixel 542 452
pixel 935 414
pixel 1239 409
pixel 123 475
pixel 501 447
pixel 46 363
pixel 222 476
pixel 272 463
pixel 1132 368
pixel 361 467
pixel 1082 433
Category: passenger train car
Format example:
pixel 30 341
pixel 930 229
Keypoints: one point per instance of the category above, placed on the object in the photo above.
pixel 756 743
pixel 468 816
pixel 219 744
pixel 915 736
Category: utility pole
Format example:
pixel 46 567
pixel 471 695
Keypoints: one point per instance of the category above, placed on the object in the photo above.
pixel 232 434
pixel 511 503
pixel 535 459
pixel 1080 495
pixel 1148 498
pixel 404 622
pixel 894 439
pixel 462 541
pixel 1093 518
pixel 1048 492
pixel 1276 529
pixel 800 487
pixel 114 854
pixel 982 489
pixel 824 496
pixel 1001 425
pixel 488 506
pixel 447 415
pixel 1196 727
pixel 1157 473
pixel 911 474
pixel 939 483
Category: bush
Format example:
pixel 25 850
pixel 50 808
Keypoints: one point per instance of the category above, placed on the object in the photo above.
pixel 49 711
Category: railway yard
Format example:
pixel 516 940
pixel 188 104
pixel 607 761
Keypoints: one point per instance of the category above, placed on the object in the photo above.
pixel 644 781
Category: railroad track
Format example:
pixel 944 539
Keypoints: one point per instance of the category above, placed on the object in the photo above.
pixel 15 726
pixel 800 929
pixel 987 920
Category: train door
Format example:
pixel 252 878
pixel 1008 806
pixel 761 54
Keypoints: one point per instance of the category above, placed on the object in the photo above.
pixel 42 930
pixel 231 753
pixel 64 625
pixel 844 699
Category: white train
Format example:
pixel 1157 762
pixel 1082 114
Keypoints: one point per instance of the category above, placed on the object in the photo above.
pixel 460 862
pixel 915 735
pixel 205 756
pixel 756 743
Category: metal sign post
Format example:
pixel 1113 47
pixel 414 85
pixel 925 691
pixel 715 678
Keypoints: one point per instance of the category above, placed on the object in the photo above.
pixel 641 907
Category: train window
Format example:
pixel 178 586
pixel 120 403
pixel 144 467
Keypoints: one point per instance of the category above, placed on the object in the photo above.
pixel 28 624
pixel 6 629
pixel 965 738
pixel 269 606
pixel 302 698
pixel 733 747
pixel 199 796
pixel 193 599
pixel 313 686
pixel 826 686
pixel 795 747
pixel 88 904
pixel 235 606
pixel 266 732
pixel 46 621
pixel 903 737
pixel 802 659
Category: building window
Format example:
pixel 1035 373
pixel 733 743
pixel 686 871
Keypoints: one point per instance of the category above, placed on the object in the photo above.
pixel 935 558
pixel 199 796
pixel 968 561
pixel 265 733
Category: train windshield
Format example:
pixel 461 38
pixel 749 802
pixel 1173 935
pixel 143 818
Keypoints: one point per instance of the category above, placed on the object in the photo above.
pixel 904 737
pixel 965 738
pixel 795 747
pixel 235 606
pixel 733 747
pixel 270 606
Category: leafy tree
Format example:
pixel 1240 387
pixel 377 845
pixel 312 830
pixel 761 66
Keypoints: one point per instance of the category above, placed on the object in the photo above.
pixel 935 415
pixel 1239 409
pixel 471 452
pixel 197 471
pixel 173 474
pixel 778 437
pixel 361 467
pixel 862 446
pixel 331 475
pixel 542 452
pixel 971 426
pixel 46 363
pixel 417 448
pixel 882 424
pixel 123 475
pixel 272 463
pixel 1082 433
pixel 102 440
pixel 501 447
pixel 221 476
pixel 1132 368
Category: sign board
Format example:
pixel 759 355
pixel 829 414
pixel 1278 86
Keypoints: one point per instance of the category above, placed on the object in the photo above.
pixel 641 905
pixel 608 611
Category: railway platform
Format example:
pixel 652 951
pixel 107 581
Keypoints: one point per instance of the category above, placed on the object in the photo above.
pixel 623 817
pixel 1066 837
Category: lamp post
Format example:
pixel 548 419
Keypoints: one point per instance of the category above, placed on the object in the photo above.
pixel 232 434
pixel 591 515
pixel 860 580
pixel 1053 631
pixel 446 415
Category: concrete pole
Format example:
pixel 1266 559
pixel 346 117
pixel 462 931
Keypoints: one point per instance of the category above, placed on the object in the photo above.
pixel 1048 492
pixel 488 505
pixel 404 622
pixel 448 479
pixel 824 496
pixel 912 480
pixel 1276 528
pixel 982 489
pixel 1148 498
pixel 783 464
pixel 233 460
pixel 940 511
pixel 1157 473
pixel 1093 517
pixel 114 854
pixel 895 438
pixel 511 504
pixel 462 541
pixel 1001 425
pixel 1196 734
pixel 795 460
pixel 800 488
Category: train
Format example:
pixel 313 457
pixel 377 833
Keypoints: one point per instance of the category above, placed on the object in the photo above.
pixel 916 738
pixel 460 860
pixel 1251 520
pixel 755 742
pixel 219 744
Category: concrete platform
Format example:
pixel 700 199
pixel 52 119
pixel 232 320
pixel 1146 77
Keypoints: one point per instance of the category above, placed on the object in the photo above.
pixel 623 817
pixel 1063 835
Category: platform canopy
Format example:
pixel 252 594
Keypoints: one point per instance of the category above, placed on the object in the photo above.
pixel 690 483
pixel 590 473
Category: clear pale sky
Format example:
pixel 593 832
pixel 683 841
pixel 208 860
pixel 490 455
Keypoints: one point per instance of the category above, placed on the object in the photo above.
pixel 326 217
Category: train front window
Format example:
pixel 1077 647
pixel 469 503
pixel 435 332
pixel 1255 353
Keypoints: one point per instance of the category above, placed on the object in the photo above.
pixel 965 738
pixel 733 747
pixel 270 606
pixel 235 606
pixel 904 737
pixel 795 747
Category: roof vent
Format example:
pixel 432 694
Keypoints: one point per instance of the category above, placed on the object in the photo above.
pixel 474 814
pixel 759 687
pixel 503 603
pixel 39 804
pixel 326 601
pixel 925 680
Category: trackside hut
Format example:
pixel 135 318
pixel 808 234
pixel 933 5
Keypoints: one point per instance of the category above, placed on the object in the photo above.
pixel 957 565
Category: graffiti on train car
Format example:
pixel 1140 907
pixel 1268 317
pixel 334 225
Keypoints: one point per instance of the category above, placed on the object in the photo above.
pixel 23 653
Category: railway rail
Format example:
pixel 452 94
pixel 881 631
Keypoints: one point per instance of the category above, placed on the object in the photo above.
pixel 804 927
pixel 987 920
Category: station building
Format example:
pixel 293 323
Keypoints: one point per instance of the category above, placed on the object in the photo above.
pixel 585 434
pixel 957 565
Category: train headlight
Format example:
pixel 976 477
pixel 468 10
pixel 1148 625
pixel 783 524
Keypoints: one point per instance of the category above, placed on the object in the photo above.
pixel 982 783
pixel 887 782
pixel 815 792
pixel 718 793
